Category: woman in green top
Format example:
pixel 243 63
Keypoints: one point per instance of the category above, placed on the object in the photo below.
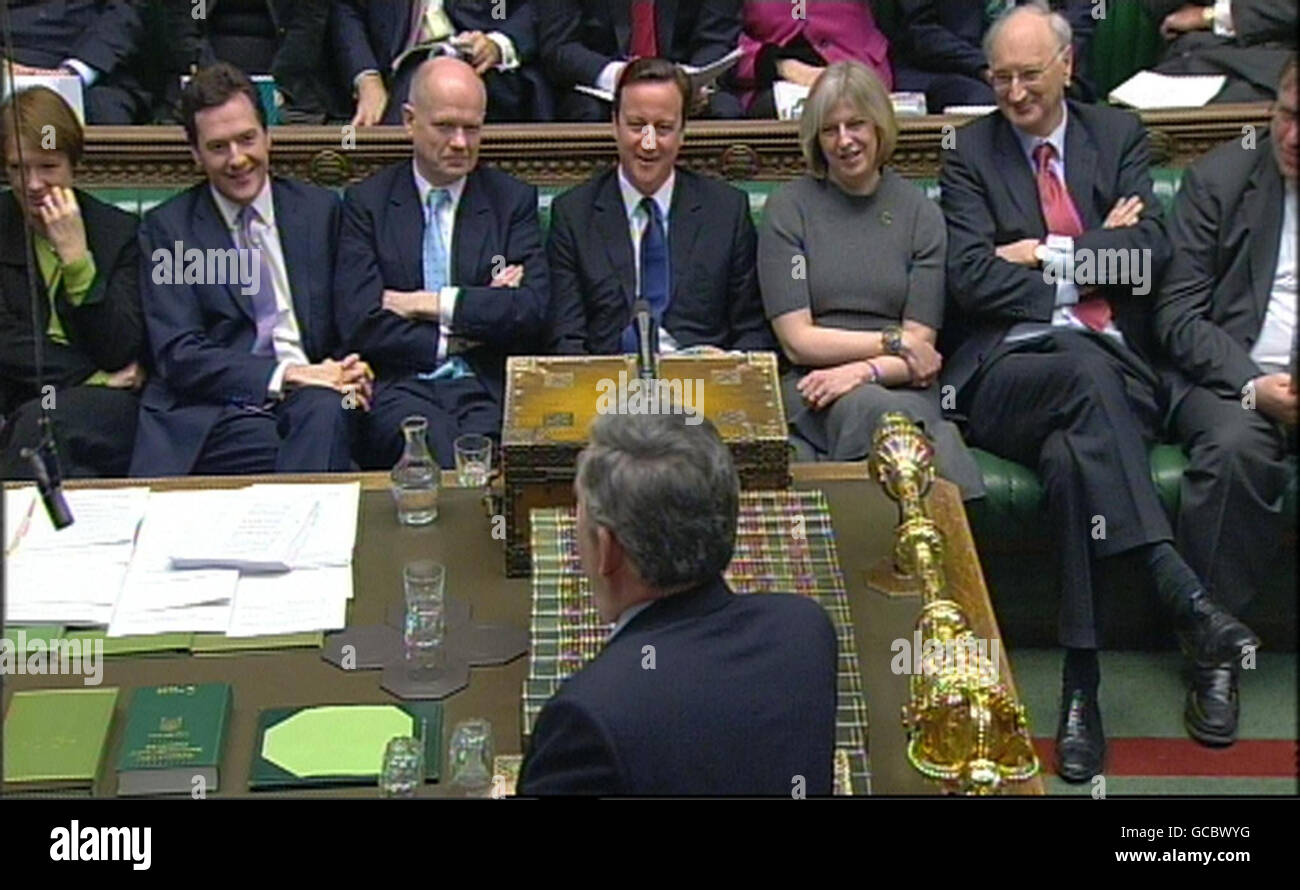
pixel 87 300
pixel 851 266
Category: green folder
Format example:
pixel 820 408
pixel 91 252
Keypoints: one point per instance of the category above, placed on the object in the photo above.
pixel 325 745
pixel 220 644
pixel 30 633
pixel 54 739
pixel 134 645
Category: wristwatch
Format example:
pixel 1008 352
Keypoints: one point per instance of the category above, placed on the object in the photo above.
pixel 1042 253
pixel 1208 15
pixel 892 339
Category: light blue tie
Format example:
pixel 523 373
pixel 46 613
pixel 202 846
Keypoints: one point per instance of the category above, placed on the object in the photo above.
pixel 436 274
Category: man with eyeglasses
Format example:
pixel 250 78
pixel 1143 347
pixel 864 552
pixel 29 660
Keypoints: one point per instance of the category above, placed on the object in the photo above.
pixel 1226 314
pixel 441 273
pixel 1050 365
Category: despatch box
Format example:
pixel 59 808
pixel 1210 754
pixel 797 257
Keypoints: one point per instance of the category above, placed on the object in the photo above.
pixel 551 402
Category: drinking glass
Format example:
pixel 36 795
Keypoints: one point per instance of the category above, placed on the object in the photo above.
pixel 423 582
pixel 473 460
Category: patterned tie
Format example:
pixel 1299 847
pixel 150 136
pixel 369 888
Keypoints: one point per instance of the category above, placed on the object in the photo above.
pixel 645 45
pixel 435 250
pixel 264 309
pixel 1062 218
pixel 431 23
pixel 654 270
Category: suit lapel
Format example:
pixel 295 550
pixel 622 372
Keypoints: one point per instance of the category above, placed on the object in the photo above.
pixel 470 235
pixel 210 229
pixel 295 234
pixel 405 226
pixel 1080 169
pixel 1019 181
pixel 611 221
pixel 620 13
pixel 1262 204
pixel 684 220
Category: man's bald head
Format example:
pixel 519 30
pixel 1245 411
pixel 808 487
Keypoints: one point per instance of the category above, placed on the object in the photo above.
pixel 444 119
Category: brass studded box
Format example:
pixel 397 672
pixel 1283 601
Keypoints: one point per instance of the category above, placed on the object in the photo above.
pixel 551 402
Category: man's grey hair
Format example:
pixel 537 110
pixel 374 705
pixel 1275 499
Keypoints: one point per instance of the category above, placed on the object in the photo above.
pixel 668 490
pixel 1060 25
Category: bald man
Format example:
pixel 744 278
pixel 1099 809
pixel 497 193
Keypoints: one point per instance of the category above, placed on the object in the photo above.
pixel 441 273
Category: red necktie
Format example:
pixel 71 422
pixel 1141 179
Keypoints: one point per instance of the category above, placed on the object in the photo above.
pixel 644 44
pixel 1062 218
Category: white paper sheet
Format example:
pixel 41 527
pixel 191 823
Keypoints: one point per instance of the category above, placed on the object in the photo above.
pixel 293 602
pixel 100 516
pixel 174 602
pixel 1147 89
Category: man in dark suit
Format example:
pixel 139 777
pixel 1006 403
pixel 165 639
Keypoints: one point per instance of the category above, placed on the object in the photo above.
pixel 442 273
pixel 97 40
pixel 1249 41
pixel 281 38
pixel 681 241
pixel 377 53
pixel 741 698
pixel 939 53
pixel 238 285
pixel 88 302
pixel 1049 365
pixel 589 42
pixel 1226 315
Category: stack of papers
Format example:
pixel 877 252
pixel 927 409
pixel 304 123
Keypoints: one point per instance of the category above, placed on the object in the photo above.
pixel 1147 90
pixel 266 559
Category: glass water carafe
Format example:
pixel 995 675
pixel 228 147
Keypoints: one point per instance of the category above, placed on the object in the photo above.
pixel 415 476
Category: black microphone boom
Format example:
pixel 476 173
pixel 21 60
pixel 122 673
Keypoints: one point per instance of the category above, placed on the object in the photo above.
pixel 646 365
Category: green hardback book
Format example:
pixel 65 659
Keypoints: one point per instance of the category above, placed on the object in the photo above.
pixel 54 739
pixel 339 744
pixel 173 736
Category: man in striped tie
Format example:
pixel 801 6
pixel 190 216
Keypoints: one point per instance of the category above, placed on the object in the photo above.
pixel 1051 366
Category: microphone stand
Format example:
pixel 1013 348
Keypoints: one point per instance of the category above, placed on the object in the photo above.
pixel 44 458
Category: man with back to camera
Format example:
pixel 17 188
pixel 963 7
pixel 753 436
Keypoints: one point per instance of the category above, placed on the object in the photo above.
pixel 743 694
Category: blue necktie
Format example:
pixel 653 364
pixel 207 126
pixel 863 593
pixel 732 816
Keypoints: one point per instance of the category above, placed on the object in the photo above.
pixel 436 275
pixel 265 312
pixel 655 276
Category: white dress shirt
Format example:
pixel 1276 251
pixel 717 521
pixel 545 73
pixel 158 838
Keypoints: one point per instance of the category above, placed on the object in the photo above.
pixel 1272 351
pixel 1223 19
pixel 628 614
pixel 448 296
pixel 637 221
pixel 286 336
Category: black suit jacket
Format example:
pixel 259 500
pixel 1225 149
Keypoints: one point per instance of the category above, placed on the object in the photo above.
pixel 301 27
pixel 946 35
pixel 201 335
pixel 578 38
pixel 990 199
pixel 740 701
pixel 102 33
pixel 711 243
pixel 1225 231
pixel 1265 35
pixel 381 247
pixel 105 333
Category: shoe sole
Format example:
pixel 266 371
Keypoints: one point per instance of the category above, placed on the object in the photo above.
pixel 1206 737
pixel 1081 777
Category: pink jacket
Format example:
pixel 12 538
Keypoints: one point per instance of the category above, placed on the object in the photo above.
pixel 838 30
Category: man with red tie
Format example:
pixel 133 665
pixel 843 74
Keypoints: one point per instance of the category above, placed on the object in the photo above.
pixel 588 43
pixel 1051 364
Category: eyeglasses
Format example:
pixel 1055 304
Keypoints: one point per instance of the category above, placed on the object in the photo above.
pixel 1032 77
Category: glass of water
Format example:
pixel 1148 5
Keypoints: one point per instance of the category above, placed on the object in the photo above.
pixel 469 756
pixel 424 582
pixel 402 772
pixel 473 460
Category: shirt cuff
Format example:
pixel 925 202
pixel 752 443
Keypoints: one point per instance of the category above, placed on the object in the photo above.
pixel 78 279
pixel 87 74
pixel 275 388
pixel 1223 19
pixel 509 57
pixel 608 78
pixel 447 298
pixel 1062 248
pixel 356 81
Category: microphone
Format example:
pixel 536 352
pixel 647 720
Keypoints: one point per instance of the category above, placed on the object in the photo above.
pixel 646 367
pixel 44 461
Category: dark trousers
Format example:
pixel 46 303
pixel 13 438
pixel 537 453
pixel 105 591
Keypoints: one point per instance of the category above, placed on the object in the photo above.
pixel 452 407
pixel 94 431
pixel 1230 520
pixel 1083 412
pixel 310 431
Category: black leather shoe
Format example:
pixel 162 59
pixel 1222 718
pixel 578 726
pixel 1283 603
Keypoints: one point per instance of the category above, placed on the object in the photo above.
pixel 1212 704
pixel 1080 743
pixel 1210 634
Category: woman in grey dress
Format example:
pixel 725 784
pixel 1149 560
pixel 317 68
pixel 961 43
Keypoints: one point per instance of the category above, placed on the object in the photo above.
pixel 851 265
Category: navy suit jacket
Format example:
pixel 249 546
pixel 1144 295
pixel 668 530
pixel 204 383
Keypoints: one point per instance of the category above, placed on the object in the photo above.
pixel 711 243
pixel 741 700
pixel 580 37
pixel 381 246
pixel 201 335
pixel 989 198
pixel 102 33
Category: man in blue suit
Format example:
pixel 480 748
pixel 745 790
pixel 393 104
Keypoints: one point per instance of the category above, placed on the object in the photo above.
pixel 237 288
pixel 741 698
pixel 441 273
pixel 375 45
pixel 938 48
